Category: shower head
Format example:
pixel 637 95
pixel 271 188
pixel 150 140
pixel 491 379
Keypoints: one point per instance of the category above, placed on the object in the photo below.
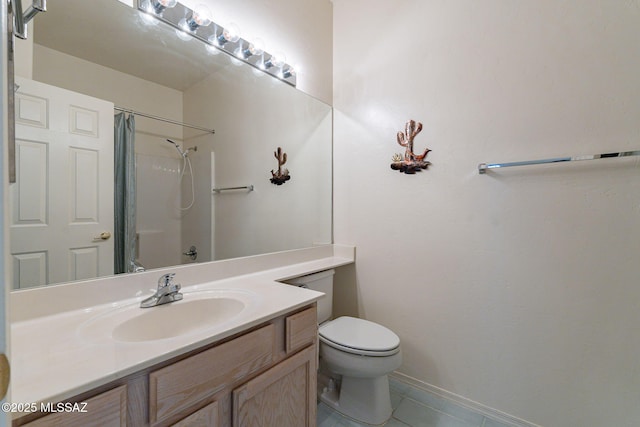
pixel 186 162
pixel 182 153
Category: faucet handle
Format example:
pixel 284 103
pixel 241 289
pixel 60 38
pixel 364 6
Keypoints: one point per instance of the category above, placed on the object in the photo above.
pixel 166 279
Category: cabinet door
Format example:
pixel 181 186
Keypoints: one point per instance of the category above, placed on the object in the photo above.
pixel 301 330
pixel 108 409
pixel 283 396
pixel 207 416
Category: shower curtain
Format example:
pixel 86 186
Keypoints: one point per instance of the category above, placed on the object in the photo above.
pixel 124 194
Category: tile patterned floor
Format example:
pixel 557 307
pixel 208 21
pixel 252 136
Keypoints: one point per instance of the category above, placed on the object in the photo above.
pixel 414 408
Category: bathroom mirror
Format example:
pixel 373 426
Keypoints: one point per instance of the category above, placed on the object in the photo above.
pixel 109 55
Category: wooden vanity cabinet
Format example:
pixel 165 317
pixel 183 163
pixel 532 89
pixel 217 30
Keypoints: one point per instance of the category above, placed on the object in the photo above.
pixel 265 376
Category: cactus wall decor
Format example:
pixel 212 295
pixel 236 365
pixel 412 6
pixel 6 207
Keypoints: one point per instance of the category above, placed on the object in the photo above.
pixel 411 162
pixel 282 175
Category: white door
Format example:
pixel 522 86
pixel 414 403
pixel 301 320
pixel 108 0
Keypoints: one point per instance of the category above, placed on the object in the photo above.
pixel 62 201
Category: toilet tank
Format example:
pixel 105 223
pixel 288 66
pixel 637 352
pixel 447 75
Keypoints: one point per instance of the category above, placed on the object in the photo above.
pixel 321 282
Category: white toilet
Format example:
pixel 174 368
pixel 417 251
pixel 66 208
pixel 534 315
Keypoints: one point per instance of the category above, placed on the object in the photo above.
pixel 358 353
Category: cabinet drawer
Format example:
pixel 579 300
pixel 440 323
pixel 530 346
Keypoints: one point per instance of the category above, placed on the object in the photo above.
pixel 108 409
pixel 180 386
pixel 301 329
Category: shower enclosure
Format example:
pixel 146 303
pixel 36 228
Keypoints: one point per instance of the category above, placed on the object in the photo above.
pixel 164 184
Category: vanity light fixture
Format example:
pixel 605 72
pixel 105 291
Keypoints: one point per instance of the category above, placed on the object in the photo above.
pixel 197 22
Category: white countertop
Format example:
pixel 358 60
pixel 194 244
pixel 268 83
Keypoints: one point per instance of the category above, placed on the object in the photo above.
pixel 52 359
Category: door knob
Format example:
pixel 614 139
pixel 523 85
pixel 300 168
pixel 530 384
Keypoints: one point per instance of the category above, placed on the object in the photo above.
pixel 4 375
pixel 105 235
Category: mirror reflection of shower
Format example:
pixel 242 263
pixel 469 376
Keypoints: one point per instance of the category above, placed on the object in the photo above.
pixel 186 162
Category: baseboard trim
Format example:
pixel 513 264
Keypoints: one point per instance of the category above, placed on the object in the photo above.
pixel 463 401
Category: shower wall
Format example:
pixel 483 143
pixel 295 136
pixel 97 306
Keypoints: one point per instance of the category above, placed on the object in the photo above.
pixel 158 219
pixel 196 221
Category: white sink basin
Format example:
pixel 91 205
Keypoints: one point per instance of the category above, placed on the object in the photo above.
pixel 196 312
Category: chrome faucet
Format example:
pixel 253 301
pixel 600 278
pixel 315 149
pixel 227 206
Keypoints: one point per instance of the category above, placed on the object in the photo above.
pixel 167 292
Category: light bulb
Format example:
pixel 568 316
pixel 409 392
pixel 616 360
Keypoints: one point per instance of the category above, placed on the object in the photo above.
pixel 277 60
pixel 160 5
pixel 288 72
pixel 254 49
pixel 200 17
pixel 231 33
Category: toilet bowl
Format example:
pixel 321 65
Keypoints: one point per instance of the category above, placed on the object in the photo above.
pixel 362 353
pixel 358 355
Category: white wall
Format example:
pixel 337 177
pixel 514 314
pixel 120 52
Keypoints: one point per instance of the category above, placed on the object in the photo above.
pixel 23 54
pixel 258 115
pixel 518 289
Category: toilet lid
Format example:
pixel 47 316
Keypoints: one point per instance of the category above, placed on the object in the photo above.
pixel 359 334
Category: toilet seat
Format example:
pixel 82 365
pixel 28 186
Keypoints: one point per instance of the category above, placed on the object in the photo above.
pixel 359 336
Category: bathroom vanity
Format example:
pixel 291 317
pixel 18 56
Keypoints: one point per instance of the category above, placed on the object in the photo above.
pixel 256 367
pixel 264 376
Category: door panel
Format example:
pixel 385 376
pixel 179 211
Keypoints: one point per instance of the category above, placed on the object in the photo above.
pixel 30 207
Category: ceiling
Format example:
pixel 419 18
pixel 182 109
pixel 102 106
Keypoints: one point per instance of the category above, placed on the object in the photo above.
pixel 109 33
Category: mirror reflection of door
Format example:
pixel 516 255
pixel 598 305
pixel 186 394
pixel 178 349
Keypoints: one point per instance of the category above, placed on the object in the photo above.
pixel 62 203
